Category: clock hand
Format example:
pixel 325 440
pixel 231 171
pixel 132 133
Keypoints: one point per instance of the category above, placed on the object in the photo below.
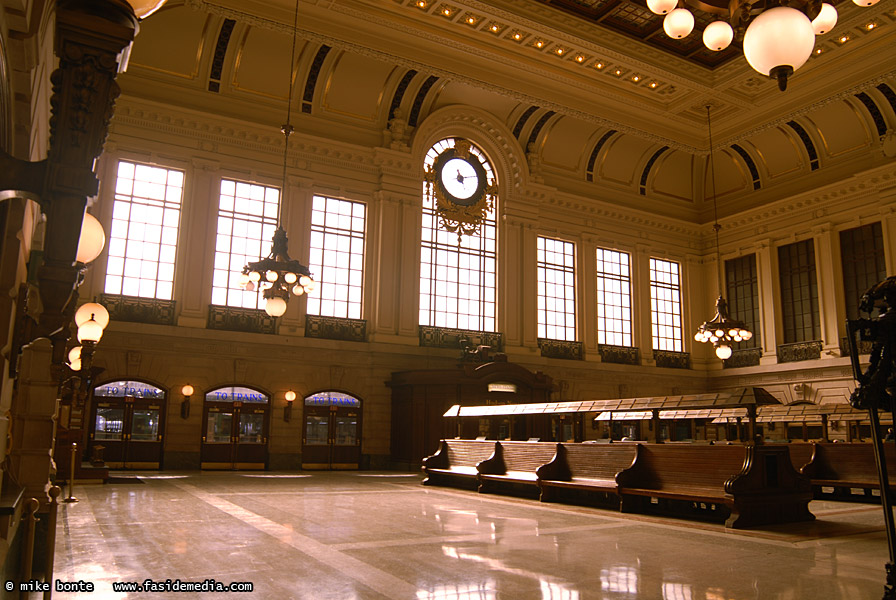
pixel 460 178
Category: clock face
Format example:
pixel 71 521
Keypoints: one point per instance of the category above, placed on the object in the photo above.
pixel 461 180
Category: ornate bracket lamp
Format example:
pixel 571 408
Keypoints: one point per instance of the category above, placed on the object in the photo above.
pixel 278 275
pixel 290 397
pixel 722 330
pixel 187 391
pixel 778 37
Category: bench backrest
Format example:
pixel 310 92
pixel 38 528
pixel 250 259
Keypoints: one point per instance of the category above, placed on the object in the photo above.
pixel 598 461
pixel 850 461
pixel 661 465
pixel 468 453
pixel 527 456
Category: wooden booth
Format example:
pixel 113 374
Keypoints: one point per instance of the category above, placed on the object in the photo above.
pixel 420 399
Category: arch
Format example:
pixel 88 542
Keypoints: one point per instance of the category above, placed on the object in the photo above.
pixel 493 137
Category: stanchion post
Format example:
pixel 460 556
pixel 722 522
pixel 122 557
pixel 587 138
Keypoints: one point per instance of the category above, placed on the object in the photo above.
pixel 31 507
pixel 71 476
pixel 53 509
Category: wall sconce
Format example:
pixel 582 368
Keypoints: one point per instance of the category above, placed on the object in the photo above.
pixel 187 391
pixel 287 410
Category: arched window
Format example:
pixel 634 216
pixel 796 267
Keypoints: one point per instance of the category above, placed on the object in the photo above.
pixel 458 272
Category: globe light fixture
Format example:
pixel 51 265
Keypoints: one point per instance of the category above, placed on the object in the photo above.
pixel 826 19
pixel 718 35
pixel 679 23
pixel 144 8
pixel 92 310
pixel 277 276
pixel 778 38
pixel 661 7
pixel 722 330
pixel 92 240
pixel 763 47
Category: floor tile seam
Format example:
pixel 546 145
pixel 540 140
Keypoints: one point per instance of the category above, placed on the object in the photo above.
pixel 473 537
pixel 846 539
pixel 364 573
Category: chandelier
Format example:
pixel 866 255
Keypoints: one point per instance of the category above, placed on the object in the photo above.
pixel 778 37
pixel 722 330
pixel 278 276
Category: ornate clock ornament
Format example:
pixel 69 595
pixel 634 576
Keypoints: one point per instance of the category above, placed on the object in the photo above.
pixel 458 185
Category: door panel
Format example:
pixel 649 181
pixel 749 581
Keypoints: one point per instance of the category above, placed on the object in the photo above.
pixel 128 432
pixel 235 436
pixel 332 432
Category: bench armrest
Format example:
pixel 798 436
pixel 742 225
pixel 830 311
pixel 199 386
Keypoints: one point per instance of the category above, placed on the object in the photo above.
pixel 557 469
pixel 439 460
pixel 493 465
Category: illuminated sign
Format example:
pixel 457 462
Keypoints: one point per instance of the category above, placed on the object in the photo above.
pixel 132 389
pixel 236 394
pixel 502 387
pixel 332 399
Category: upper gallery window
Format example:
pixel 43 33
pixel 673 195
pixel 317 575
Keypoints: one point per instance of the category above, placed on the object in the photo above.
pixel 556 289
pixel 458 273
pixel 742 287
pixel 337 257
pixel 665 304
pixel 247 217
pixel 799 292
pixel 862 257
pixel 143 238
pixel 614 298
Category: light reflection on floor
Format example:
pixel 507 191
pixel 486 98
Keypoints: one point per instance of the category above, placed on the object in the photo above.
pixel 369 536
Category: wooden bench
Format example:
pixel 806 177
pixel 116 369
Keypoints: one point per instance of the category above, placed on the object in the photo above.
pixel 514 466
pixel 455 462
pixel 848 471
pixel 590 468
pixel 750 484
pixel 800 454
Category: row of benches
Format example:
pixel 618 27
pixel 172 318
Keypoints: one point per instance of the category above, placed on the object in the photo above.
pixel 747 485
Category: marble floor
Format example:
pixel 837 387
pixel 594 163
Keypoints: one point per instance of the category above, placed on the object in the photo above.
pixel 372 535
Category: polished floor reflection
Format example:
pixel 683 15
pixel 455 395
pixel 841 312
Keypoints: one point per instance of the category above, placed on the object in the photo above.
pixel 365 535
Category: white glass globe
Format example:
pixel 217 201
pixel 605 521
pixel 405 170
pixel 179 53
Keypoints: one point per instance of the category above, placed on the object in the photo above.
pixel 75 365
pixel 275 306
pixel 825 20
pixel 779 37
pixel 92 240
pixel 304 280
pixel 92 310
pixel 90 331
pixel 187 390
pixel 254 276
pixel 74 354
pixel 865 3
pixel 723 352
pixel 298 290
pixel 679 23
pixel 661 7
pixel 271 276
pixel 144 8
pixel 718 35
pixel 290 396
pixel 290 278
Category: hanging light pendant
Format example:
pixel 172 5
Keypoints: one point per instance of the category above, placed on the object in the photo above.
pixel 278 275
pixel 722 330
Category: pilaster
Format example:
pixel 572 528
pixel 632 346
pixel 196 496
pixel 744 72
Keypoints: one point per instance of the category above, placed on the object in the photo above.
pixel 767 266
pixel 197 249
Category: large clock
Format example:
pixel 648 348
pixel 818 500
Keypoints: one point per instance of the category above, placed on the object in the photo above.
pixel 462 193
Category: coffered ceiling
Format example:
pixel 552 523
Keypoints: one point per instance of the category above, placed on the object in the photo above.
pixel 590 88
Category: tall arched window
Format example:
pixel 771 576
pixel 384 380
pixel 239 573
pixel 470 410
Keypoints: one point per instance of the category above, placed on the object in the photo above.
pixel 457 273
